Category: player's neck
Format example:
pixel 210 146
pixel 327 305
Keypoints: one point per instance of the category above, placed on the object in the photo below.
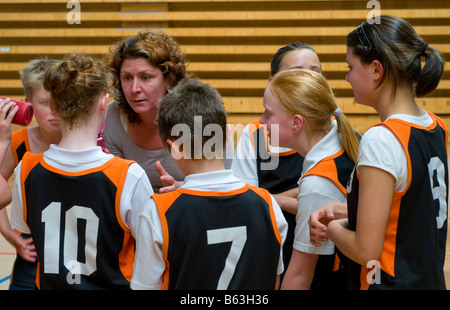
pixel 400 102
pixel 193 166
pixel 79 138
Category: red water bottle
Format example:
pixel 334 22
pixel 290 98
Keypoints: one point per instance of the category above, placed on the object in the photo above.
pixel 25 113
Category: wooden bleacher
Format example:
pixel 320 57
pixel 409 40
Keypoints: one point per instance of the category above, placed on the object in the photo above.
pixel 229 43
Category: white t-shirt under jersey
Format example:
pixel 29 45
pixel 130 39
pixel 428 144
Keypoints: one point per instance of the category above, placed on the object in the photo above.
pixel 380 148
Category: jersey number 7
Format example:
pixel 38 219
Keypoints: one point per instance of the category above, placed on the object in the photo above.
pixel 238 237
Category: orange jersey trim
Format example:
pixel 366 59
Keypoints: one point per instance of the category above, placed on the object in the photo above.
pixel 164 202
pixel 266 195
pixel 116 176
pixel 402 130
pixel 260 191
pixel 127 253
pixel 17 137
pixel 327 168
pixel 29 161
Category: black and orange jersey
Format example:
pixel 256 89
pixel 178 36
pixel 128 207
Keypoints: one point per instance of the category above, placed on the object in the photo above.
pixel 20 144
pixel 337 168
pixel 415 239
pixel 24 272
pixel 219 240
pixel 331 270
pixel 74 219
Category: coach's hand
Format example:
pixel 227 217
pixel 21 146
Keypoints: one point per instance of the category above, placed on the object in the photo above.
pixel 169 183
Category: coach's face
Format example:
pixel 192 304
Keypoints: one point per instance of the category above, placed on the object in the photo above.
pixel 143 84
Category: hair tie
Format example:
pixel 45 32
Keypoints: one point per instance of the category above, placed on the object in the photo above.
pixel 337 112
pixel 424 48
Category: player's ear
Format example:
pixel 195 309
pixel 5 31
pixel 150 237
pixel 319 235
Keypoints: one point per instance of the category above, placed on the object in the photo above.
pixel 174 149
pixel 377 70
pixel 104 103
pixel 297 123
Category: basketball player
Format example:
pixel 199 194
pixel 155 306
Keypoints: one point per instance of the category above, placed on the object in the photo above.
pixel 36 139
pixel 299 105
pixel 396 229
pixel 277 169
pixel 215 231
pixel 78 203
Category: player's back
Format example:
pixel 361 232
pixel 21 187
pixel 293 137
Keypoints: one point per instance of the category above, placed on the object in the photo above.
pixel 73 218
pixel 415 240
pixel 219 240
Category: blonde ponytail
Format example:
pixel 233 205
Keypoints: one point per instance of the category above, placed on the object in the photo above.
pixel 349 136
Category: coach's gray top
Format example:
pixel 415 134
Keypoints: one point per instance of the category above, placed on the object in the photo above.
pixel 118 143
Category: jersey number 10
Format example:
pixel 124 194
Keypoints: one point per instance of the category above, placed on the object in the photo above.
pixel 51 217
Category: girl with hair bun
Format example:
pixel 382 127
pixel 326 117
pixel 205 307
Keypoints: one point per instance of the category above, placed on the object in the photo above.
pixel 299 109
pixel 78 203
pixel 394 228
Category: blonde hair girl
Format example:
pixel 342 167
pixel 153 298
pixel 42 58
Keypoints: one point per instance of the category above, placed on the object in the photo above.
pixel 299 112
pixel 308 94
